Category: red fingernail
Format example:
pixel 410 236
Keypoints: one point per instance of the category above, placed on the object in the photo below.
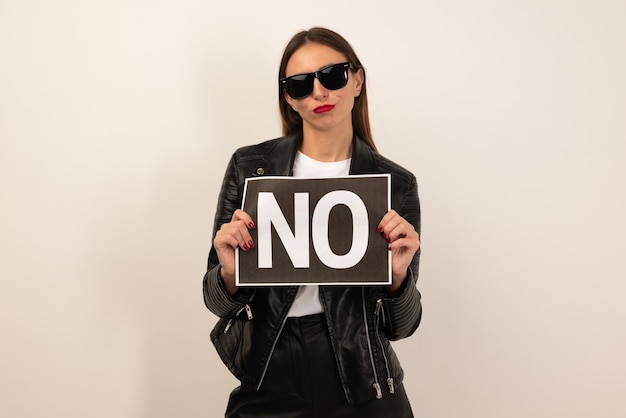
pixel 245 247
pixel 251 225
pixel 250 244
pixel 379 229
pixel 385 236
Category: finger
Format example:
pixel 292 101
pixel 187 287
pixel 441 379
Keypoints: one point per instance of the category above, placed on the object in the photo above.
pixel 235 234
pixel 225 240
pixel 402 229
pixel 384 226
pixel 409 243
pixel 243 234
pixel 386 218
pixel 394 226
pixel 244 222
pixel 240 215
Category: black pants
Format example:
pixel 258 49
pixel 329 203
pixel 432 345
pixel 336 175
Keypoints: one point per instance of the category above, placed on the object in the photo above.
pixel 302 381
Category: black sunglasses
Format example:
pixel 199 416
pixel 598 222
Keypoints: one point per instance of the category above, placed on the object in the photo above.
pixel 332 77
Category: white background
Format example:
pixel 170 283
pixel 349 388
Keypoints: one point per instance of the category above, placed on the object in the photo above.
pixel 116 122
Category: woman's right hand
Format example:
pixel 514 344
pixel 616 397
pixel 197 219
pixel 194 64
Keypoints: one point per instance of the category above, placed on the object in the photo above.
pixel 230 236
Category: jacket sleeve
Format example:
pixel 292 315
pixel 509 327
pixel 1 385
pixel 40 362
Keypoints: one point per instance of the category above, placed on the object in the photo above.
pixel 404 312
pixel 216 297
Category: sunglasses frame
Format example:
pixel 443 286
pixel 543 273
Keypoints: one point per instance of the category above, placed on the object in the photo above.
pixel 316 74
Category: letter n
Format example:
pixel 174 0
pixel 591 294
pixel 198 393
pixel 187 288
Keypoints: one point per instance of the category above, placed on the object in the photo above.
pixel 297 243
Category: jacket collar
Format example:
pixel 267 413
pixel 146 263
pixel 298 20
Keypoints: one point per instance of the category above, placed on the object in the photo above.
pixel 279 162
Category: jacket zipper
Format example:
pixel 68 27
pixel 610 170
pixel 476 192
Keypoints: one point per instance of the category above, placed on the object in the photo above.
pixel 249 314
pixel 379 304
pixel 376 385
pixel 269 357
pixel 248 310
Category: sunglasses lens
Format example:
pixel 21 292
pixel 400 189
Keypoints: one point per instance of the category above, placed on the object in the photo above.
pixel 299 86
pixel 334 77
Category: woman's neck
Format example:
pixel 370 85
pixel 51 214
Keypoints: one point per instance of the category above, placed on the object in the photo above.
pixel 327 146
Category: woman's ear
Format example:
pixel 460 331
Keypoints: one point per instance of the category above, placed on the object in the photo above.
pixel 358 79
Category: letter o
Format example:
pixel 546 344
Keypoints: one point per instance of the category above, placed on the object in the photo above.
pixel 360 229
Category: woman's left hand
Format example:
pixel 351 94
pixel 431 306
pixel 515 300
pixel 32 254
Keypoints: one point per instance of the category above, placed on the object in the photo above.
pixel 403 243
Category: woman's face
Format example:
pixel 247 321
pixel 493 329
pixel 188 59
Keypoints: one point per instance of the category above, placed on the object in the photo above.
pixel 323 109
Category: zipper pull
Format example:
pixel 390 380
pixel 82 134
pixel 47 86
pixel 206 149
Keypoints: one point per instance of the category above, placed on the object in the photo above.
pixel 379 393
pixel 230 323
pixel 378 309
pixel 390 383
pixel 248 311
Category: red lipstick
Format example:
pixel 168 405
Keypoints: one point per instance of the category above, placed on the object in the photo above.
pixel 324 108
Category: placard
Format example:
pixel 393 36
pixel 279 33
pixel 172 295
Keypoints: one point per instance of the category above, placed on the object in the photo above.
pixel 316 231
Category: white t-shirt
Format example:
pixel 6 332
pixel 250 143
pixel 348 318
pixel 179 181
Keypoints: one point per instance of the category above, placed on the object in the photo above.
pixel 307 299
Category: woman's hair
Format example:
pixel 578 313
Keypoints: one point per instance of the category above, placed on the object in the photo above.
pixel 291 121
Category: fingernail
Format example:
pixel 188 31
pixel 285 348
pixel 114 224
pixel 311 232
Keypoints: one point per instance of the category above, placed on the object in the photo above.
pixel 385 236
pixel 251 225
pixel 379 229
pixel 245 247
pixel 250 244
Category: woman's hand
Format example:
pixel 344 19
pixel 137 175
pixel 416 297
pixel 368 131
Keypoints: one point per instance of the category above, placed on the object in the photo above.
pixel 403 243
pixel 230 236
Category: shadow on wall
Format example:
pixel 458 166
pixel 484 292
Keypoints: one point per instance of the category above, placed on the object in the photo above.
pixel 152 245
pixel 155 234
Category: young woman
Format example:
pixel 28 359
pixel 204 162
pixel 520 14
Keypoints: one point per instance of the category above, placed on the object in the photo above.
pixel 309 351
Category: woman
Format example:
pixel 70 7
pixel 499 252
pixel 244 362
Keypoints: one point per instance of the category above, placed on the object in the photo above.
pixel 313 351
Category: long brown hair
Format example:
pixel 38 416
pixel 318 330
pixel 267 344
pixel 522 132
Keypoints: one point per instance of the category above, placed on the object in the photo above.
pixel 291 121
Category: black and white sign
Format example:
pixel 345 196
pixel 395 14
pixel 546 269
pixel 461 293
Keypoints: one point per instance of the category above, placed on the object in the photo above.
pixel 316 231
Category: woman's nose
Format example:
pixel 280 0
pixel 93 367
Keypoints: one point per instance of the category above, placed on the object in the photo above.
pixel 319 91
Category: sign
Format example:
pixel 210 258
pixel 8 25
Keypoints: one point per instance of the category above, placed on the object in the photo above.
pixel 315 231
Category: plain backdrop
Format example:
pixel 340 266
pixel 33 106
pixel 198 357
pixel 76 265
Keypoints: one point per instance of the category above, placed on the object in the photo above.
pixel 117 119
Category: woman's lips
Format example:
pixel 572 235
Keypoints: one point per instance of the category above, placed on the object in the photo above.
pixel 323 108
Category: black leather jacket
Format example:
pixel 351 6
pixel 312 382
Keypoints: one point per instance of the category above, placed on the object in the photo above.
pixel 361 319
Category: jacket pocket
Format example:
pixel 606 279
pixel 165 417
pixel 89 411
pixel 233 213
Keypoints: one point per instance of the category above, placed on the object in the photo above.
pixel 227 343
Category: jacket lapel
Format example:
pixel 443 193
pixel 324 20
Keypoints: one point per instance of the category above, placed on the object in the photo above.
pixel 363 161
pixel 279 162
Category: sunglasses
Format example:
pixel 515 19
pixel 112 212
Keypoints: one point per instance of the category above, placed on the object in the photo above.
pixel 332 77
